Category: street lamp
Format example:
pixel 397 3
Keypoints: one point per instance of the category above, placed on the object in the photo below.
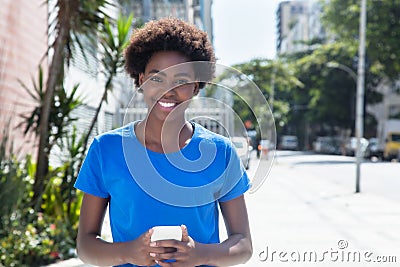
pixel 336 65
pixel 360 88
pixel 360 79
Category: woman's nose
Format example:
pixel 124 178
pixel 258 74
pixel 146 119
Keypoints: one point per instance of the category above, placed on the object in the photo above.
pixel 169 91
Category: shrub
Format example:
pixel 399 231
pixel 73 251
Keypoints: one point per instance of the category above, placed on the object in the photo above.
pixel 30 238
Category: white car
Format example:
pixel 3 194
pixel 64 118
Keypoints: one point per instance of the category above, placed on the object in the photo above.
pixel 351 146
pixel 289 142
pixel 243 149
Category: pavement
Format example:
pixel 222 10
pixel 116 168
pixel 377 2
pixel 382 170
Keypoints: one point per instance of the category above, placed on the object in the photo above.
pixel 307 214
pixel 307 208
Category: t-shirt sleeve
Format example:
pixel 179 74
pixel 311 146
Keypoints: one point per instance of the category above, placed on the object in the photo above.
pixel 236 180
pixel 90 178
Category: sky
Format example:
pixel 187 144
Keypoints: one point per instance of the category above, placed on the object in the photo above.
pixel 244 29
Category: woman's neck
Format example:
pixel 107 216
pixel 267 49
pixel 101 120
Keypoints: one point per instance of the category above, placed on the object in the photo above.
pixel 164 136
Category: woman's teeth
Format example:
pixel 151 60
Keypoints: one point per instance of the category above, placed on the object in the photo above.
pixel 166 104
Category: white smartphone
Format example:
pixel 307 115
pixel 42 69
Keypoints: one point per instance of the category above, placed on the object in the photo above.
pixel 166 232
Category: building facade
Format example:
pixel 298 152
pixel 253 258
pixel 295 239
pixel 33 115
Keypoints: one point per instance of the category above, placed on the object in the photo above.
pixel 23 44
pixel 298 24
pixel 197 12
pixel 389 108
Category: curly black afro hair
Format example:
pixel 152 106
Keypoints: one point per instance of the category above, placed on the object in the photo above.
pixel 169 34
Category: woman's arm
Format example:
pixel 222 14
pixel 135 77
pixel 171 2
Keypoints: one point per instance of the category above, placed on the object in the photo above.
pixel 93 250
pixel 237 248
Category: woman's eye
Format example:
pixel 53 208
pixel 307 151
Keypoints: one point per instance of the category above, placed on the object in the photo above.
pixel 181 82
pixel 156 79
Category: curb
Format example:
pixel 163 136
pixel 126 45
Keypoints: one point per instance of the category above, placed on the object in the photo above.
pixel 74 262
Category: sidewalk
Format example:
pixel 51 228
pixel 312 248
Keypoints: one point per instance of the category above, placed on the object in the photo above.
pixel 308 215
pixel 309 210
pixel 69 263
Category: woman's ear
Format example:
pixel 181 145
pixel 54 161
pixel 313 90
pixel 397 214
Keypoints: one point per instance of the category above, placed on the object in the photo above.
pixel 196 88
pixel 141 78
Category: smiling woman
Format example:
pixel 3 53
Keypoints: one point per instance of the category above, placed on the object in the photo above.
pixel 164 170
pixel 167 35
pixel 166 90
pixel 166 84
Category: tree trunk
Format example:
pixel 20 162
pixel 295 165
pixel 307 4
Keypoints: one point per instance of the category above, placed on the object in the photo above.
pixel 43 152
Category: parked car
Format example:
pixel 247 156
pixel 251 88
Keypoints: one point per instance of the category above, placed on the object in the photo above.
pixel 372 149
pixel 289 142
pixel 350 146
pixel 328 145
pixel 392 146
pixel 243 149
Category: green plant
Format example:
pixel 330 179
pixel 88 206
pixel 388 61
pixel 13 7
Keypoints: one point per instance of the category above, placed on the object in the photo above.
pixel 27 237
pixel 34 239
pixel 60 114
pixel 12 178
pixel 112 59
pixel 20 244
pixel 60 199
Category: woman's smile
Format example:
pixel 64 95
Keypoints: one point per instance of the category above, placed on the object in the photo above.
pixel 166 105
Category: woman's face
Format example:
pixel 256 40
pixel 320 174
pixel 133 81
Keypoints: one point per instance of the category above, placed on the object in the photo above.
pixel 168 88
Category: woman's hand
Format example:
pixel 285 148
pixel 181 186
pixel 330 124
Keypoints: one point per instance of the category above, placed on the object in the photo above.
pixel 185 253
pixel 139 250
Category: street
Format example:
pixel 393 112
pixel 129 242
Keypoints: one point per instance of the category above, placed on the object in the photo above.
pixel 306 213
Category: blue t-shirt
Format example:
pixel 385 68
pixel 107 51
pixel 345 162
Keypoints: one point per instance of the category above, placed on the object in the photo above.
pixel 147 189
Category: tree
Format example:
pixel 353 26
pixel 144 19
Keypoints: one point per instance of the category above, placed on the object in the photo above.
pixel 383 30
pixel 327 94
pixel 273 78
pixel 326 102
pixel 72 18
pixel 61 110
pixel 112 61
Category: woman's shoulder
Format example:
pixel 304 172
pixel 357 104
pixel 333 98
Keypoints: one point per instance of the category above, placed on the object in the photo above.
pixel 204 134
pixel 114 135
